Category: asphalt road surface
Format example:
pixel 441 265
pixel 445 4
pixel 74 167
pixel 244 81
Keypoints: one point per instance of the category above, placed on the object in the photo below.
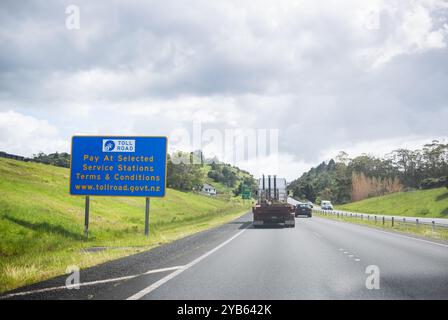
pixel 318 259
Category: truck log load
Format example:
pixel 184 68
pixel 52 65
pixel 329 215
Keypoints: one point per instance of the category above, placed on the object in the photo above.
pixel 272 206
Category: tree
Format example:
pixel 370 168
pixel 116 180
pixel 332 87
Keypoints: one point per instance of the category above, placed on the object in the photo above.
pixel 55 159
pixel 184 176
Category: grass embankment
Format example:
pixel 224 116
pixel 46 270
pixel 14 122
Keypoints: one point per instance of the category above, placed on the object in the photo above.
pixel 41 225
pixel 420 203
pixel 421 230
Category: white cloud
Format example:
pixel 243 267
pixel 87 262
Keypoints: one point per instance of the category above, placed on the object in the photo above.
pixel 329 75
pixel 413 31
pixel 25 135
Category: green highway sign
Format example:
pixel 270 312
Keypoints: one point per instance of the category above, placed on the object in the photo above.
pixel 246 193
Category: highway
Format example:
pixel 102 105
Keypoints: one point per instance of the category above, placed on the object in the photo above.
pixel 318 259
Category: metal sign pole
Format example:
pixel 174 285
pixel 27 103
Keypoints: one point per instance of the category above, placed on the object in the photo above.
pixel 147 217
pixel 86 218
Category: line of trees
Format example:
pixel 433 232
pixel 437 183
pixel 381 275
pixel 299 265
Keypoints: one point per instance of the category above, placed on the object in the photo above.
pixel 56 159
pixel 348 179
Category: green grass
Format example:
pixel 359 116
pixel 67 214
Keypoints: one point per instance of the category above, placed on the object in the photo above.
pixel 41 225
pixel 419 203
pixel 421 230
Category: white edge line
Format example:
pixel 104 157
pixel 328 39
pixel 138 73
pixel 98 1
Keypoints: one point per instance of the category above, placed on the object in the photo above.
pixel 84 284
pixel 164 280
pixel 390 233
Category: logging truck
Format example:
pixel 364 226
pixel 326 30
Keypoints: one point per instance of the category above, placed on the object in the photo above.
pixel 272 206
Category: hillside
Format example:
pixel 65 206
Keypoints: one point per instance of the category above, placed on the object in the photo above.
pixel 240 177
pixel 41 225
pixel 424 203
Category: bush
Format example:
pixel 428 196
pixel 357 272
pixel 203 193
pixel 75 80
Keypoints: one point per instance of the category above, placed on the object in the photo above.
pixel 431 183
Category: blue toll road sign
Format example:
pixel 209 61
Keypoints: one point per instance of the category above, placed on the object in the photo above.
pixel 118 166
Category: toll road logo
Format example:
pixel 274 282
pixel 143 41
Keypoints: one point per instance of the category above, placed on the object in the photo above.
pixel 118 145
pixel 109 146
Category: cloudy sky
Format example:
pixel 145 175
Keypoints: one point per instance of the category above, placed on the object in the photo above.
pixel 359 76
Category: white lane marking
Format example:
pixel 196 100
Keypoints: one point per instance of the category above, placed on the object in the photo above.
pixel 345 252
pixel 164 280
pixel 350 255
pixel 91 283
pixel 357 260
pixel 389 233
pixel 162 270
pixel 416 239
pixel 341 249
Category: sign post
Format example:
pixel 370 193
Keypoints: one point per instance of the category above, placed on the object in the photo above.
pixel 147 217
pixel 86 217
pixel 126 166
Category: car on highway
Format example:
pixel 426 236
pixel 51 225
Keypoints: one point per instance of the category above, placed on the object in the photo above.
pixel 303 209
pixel 326 205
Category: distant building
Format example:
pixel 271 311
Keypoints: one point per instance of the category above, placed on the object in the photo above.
pixel 208 189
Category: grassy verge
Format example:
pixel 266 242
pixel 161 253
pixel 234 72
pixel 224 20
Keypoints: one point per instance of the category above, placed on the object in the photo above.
pixel 41 226
pixel 418 203
pixel 421 230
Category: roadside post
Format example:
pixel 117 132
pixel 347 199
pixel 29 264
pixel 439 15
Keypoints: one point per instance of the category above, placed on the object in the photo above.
pixel 124 166
pixel 147 217
pixel 86 217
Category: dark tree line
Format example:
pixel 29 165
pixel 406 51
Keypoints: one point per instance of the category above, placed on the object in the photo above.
pixel 56 159
pixel 412 169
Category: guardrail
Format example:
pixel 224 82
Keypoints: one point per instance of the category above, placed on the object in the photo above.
pixel 383 219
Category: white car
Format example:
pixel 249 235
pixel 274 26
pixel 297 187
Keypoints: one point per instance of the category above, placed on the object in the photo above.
pixel 326 205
